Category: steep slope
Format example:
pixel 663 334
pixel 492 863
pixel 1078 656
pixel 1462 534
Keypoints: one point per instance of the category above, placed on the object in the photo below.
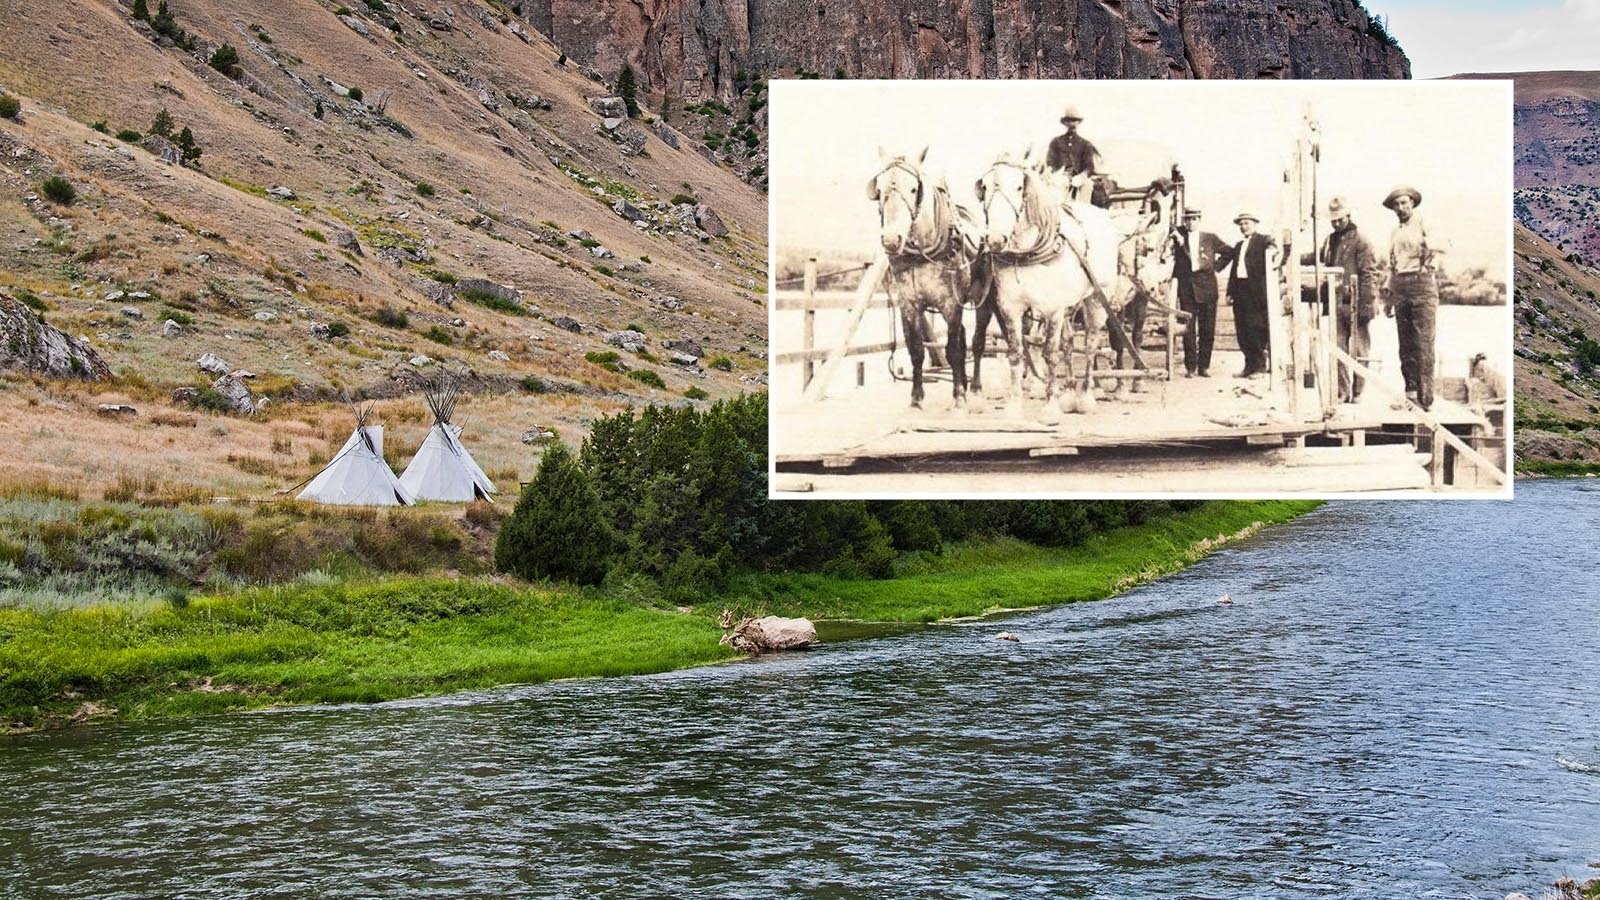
pixel 1557 375
pixel 318 215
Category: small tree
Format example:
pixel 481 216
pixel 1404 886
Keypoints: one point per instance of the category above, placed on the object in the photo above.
pixel 141 10
pixel 58 190
pixel 558 529
pixel 162 125
pixel 627 88
pixel 186 144
pixel 10 107
pixel 225 60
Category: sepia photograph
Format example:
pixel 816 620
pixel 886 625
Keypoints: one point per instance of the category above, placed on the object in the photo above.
pixel 1058 289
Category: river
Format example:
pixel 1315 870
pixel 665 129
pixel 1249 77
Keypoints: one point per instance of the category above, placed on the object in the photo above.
pixel 1400 702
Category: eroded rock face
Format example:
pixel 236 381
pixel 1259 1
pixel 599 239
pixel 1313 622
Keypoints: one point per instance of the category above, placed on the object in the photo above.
pixel 30 345
pixel 695 48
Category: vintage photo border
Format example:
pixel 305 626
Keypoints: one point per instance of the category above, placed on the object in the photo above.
pixel 780 91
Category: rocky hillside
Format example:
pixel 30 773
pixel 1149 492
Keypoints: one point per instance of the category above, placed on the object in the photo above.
pixel 377 189
pixel 1557 375
pixel 1557 207
pixel 697 49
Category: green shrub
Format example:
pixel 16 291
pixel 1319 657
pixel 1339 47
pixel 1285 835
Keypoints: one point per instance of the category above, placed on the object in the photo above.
pixel 209 398
pixel 588 242
pixel 695 392
pixel 723 363
pixel 441 277
pixel 604 270
pixel 605 359
pixel 162 124
pixel 558 529
pixel 179 316
pixel 647 376
pixel 342 11
pixel 390 317
pixel 58 190
pixel 315 235
pixel 225 59
pixel 491 301
pixel 101 127
pixel 337 329
pixel 356 94
pixel 438 335
pixel 425 189
pixel 533 384
pixel 10 107
pixel 129 135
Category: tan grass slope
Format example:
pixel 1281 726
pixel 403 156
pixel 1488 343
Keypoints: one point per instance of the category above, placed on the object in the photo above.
pixel 449 173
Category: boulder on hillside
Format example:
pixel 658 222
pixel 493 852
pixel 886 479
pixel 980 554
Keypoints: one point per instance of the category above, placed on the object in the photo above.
pixel 630 137
pixel 685 345
pixel 770 634
pixel 345 240
pixel 237 395
pixel 628 339
pixel 609 107
pixel 628 211
pixel 709 221
pixel 162 149
pixel 665 133
pixel 29 344
pixel 210 362
pixel 568 323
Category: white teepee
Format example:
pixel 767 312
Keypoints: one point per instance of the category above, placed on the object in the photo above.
pixel 442 468
pixel 357 475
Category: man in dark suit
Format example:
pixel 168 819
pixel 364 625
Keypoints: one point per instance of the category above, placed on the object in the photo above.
pixel 1195 266
pixel 1074 155
pixel 1248 272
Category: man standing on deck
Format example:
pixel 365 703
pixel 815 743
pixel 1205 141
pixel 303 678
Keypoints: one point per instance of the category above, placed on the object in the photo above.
pixel 1350 250
pixel 1250 265
pixel 1073 155
pixel 1195 267
pixel 1413 297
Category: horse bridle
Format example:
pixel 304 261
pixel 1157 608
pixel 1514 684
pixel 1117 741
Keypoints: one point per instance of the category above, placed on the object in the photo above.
pixel 1048 237
pixel 913 206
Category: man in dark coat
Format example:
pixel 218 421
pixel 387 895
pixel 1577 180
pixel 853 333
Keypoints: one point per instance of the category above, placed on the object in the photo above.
pixel 1195 267
pixel 1357 303
pixel 1074 155
pixel 1248 271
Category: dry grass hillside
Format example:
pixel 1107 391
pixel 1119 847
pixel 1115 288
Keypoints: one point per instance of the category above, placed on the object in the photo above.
pixel 448 167
pixel 1557 375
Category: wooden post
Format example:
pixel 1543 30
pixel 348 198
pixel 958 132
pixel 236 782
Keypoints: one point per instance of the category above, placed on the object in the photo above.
pixel 1426 418
pixel 869 285
pixel 808 332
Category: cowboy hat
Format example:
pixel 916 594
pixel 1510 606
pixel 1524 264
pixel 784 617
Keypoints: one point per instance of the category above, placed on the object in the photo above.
pixel 1247 215
pixel 1337 207
pixel 1071 114
pixel 1403 191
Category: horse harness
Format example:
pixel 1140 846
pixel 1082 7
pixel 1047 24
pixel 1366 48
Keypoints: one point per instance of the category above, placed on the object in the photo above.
pixel 951 245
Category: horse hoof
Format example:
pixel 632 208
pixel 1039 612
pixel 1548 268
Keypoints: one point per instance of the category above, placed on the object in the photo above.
pixel 1069 402
pixel 1086 403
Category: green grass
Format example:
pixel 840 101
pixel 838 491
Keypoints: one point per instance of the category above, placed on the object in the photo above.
pixel 976 578
pixel 336 643
pixel 354 638
pixel 1556 467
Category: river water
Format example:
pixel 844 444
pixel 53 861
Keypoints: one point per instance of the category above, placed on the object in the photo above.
pixel 1400 702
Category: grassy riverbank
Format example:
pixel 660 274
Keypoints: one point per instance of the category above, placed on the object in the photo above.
pixel 326 640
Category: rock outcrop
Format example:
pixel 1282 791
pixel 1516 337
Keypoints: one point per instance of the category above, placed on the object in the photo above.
pixel 30 344
pixel 771 633
pixel 695 49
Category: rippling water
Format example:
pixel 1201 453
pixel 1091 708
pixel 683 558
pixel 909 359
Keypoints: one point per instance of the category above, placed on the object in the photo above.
pixel 1400 702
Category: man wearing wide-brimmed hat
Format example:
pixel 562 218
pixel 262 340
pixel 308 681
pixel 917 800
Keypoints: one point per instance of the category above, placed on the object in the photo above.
pixel 1247 291
pixel 1357 299
pixel 1195 267
pixel 1073 155
pixel 1413 298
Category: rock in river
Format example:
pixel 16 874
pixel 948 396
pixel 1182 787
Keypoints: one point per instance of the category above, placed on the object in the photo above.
pixel 771 633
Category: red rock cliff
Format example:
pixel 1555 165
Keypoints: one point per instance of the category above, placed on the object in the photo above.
pixel 694 47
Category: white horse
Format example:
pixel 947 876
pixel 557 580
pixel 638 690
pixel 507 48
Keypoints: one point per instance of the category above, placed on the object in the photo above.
pixel 1045 262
